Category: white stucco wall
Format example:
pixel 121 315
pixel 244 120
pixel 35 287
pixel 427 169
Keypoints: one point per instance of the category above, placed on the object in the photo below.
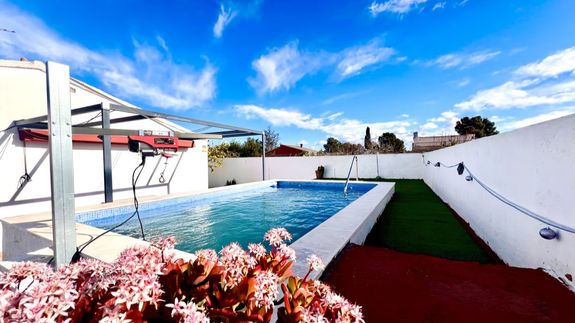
pixel 532 166
pixel 190 175
pixel 23 95
pixel 245 170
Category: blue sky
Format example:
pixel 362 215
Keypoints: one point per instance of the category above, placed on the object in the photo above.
pixel 314 69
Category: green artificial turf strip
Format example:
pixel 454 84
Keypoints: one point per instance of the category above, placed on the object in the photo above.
pixel 417 221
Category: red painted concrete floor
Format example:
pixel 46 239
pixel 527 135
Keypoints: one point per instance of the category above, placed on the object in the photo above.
pixel 398 287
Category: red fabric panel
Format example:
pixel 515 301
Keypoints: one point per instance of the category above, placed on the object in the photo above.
pixel 42 136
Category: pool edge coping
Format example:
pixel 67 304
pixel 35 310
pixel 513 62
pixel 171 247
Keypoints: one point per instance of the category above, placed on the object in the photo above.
pixel 330 237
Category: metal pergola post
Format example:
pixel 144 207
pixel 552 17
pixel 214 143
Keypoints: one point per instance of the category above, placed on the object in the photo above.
pixel 263 156
pixel 107 155
pixel 61 162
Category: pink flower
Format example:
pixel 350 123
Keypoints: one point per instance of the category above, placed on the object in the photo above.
pixel 344 311
pixel 22 270
pixel 138 289
pixel 207 255
pixel 285 252
pixel 320 289
pixel 257 250
pixel 266 289
pixel 315 263
pixel 165 244
pixel 187 312
pixel 333 300
pixel 277 236
pixel 115 317
pixel 312 314
pixel 45 297
pixel 237 263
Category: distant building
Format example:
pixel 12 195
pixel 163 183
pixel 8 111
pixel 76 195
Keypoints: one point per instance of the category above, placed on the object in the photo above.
pixel 424 144
pixel 288 150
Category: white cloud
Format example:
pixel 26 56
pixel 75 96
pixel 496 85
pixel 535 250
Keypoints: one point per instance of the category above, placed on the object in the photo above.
pixel 439 5
pixel 549 81
pixel 281 68
pixel 462 60
pixel 224 18
pixel 350 130
pixel 480 57
pixel 355 59
pixel 508 95
pixel 151 76
pixel 447 61
pixel 441 125
pixel 511 125
pixel 344 96
pixel 405 115
pixel 464 82
pixel 394 6
pixel 333 116
pixel 497 119
pixel 429 125
pixel 551 66
pixel 163 44
pixel 280 117
pixel 446 116
pixel 336 98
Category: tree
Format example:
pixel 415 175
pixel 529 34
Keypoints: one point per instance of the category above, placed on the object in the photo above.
pixel 332 145
pixel 234 149
pixel 389 143
pixel 251 148
pixel 351 149
pixel 480 127
pixel 217 153
pixel 272 139
pixel 367 140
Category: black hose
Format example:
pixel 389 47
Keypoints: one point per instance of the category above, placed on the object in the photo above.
pixel 135 178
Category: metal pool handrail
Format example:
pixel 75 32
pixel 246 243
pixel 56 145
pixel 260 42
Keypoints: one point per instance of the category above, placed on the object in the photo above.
pixel 354 158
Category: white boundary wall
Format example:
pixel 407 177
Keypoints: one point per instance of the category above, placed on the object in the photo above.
pixel 245 170
pixel 533 167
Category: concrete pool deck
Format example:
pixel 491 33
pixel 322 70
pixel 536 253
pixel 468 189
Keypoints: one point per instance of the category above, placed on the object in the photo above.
pixel 29 237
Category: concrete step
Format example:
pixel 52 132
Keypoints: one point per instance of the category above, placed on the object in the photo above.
pixel 41 255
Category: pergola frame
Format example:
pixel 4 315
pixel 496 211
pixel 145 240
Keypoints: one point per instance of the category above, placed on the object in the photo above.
pixel 58 122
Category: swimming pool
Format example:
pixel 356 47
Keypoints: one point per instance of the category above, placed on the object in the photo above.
pixel 215 219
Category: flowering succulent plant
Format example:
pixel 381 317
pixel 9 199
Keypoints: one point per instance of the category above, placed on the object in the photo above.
pixel 147 283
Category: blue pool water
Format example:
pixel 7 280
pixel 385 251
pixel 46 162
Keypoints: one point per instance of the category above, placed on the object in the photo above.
pixel 242 217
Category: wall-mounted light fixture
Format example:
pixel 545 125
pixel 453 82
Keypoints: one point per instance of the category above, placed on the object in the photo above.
pixel 548 233
pixel 460 168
